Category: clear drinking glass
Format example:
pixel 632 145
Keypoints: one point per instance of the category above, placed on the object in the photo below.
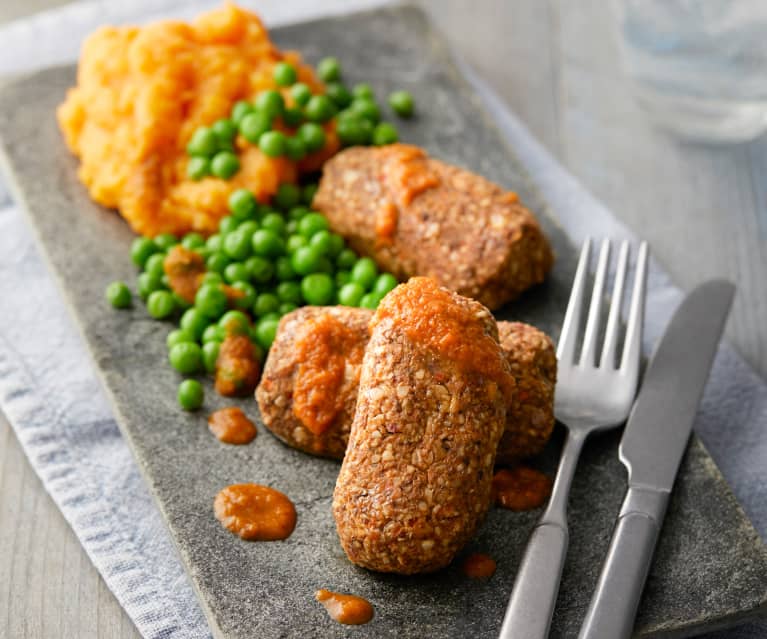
pixel 699 67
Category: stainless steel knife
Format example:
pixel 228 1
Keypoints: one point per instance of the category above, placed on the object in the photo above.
pixel 651 449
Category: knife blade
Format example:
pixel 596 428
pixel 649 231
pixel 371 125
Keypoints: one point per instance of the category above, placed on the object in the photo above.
pixel 652 447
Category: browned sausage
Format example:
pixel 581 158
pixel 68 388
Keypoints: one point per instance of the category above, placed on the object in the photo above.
pixel 419 216
pixel 431 408
pixel 529 351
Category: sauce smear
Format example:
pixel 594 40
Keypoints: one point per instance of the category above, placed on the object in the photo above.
pixel 323 347
pixel 346 609
pixel 184 269
pixel 520 488
pixel 479 566
pixel 407 172
pixel 231 426
pixel 255 512
pixel 237 369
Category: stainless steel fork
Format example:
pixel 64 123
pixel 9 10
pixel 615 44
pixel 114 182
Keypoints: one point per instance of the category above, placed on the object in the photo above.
pixel 589 397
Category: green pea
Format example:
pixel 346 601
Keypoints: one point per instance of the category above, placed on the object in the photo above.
pixel 155 264
pixel 178 336
pixel 254 125
pixel 212 277
pixel 295 148
pixel 291 228
pixel 164 241
pixel 248 228
pixel 287 307
pixel 354 130
pixel 267 243
pixel 402 103
pixel 301 93
pixel 283 269
pixel 214 243
pixel 311 223
pixel 211 300
pixel 287 196
pixel 313 136
pixel 271 102
pixel 118 295
pixel 266 303
pixel 148 283
pixel 236 272
pixel 217 262
pixel 227 224
pixel 289 292
pixel 211 334
pixel 242 204
pixel 141 249
pixel 318 289
pixel 346 259
pixel 237 245
pixel 295 242
pixel 343 277
pixel 273 222
pixel 336 245
pixel 160 304
pixel 240 110
pixel 284 74
pixel 181 303
pixel 320 108
pixel 305 260
pixel 350 294
pixel 366 108
pixel 190 394
pixel 325 266
pixel 234 323
pixel 340 95
pixel 194 322
pixel 329 69
pixel 248 297
pixel 210 355
pixel 292 116
pixel 224 164
pixel 197 168
pixel 321 240
pixel 385 133
pixel 260 269
pixel 370 300
pixel 297 212
pixel 203 143
pixel 272 143
pixel 193 241
pixel 364 272
pixel 385 283
pixel 225 130
pixel 363 90
pixel 307 194
pixel 266 330
pixel 186 357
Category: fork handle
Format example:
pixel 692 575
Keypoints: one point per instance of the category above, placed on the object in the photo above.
pixel 614 605
pixel 537 583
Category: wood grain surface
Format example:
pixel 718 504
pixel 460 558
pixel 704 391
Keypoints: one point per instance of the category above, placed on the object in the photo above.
pixel 702 208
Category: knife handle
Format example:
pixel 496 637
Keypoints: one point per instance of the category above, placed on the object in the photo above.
pixel 614 604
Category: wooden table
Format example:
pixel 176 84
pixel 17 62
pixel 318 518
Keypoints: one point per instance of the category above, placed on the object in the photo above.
pixel 703 210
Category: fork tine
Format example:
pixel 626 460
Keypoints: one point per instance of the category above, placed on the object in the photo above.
pixel 633 346
pixel 611 332
pixel 569 335
pixel 588 354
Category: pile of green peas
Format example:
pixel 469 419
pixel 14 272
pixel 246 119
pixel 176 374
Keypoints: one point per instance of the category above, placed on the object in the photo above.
pixel 356 112
pixel 277 257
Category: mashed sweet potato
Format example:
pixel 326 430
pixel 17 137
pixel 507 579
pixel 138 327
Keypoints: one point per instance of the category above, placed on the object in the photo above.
pixel 142 91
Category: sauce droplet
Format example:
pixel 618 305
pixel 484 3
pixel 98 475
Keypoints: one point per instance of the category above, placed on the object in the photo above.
pixel 231 426
pixel 255 512
pixel 479 566
pixel 346 609
pixel 520 488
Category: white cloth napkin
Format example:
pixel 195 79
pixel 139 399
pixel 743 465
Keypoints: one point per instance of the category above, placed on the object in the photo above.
pixel 50 393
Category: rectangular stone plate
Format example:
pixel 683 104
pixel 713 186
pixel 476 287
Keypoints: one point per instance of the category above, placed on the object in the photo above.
pixel 710 566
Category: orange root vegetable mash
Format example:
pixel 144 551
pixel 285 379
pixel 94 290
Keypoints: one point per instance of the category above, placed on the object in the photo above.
pixel 142 92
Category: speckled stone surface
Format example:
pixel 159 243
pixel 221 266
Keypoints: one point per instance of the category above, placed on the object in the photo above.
pixel 710 568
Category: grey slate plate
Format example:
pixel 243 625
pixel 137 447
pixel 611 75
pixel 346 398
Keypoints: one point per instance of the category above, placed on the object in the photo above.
pixel 710 569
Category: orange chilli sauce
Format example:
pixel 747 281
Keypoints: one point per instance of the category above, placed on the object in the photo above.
pixel 237 367
pixel 478 566
pixel 346 609
pixel 323 347
pixel 255 512
pixel 521 488
pixel 231 426
pixel 184 269
pixel 430 316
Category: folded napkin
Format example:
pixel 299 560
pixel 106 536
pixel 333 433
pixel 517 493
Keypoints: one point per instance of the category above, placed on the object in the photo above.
pixel 51 395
